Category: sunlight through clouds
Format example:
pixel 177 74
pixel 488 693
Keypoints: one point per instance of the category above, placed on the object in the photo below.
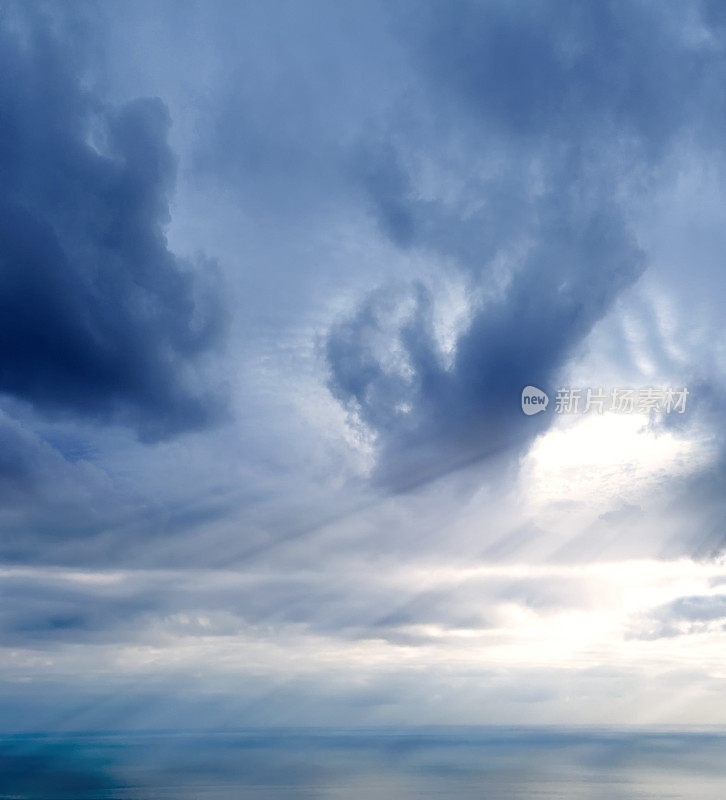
pixel 600 458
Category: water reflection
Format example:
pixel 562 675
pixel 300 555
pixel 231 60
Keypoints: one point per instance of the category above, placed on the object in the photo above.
pixel 480 763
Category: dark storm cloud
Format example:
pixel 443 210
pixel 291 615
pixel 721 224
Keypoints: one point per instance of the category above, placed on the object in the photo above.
pixel 577 108
pixel 97 317
pixel 435 417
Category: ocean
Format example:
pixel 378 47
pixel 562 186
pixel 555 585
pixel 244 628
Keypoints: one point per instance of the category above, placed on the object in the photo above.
pixel 482 763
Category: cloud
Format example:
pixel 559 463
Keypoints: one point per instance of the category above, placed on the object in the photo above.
pixel 533 135
pixel 685 616
pixel 98 318
pixel 431 417
pixel 637 70
pixel 48 608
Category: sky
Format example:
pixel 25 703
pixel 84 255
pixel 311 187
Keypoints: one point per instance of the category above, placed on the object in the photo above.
pixel 273 277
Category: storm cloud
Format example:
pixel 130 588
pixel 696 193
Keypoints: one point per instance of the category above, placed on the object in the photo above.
pixel 97 316
pixel 547 129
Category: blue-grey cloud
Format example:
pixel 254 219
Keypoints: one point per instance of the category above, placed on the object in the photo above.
pixel 576 105
pixel 97 316
pixel 684 616
pixel 47 609
pixel 435 417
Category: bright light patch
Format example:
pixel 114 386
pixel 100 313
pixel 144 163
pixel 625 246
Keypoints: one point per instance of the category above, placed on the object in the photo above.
pixel 600 458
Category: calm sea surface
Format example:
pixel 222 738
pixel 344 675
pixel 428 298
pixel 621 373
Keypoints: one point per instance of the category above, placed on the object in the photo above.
pixel 489 764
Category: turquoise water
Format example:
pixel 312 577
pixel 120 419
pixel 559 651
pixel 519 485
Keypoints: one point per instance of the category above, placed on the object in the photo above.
pixel 484 763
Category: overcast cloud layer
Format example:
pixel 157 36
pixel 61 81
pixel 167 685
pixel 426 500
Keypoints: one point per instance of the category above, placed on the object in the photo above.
pixel 272 279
